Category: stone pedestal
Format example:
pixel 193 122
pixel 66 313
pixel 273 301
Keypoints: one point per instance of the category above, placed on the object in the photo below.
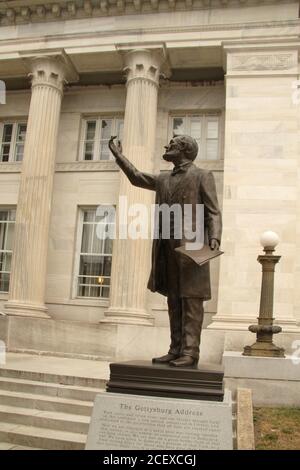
pixel 274 381
pixel 204 382
pixel 131 258
pixel 121 421
pixel 29 264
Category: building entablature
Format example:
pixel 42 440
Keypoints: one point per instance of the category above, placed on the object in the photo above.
pixel 35 11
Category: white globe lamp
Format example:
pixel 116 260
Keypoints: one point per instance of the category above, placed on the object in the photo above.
pixel 269 240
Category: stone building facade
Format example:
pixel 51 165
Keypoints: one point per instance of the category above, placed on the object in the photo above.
pixel 226 71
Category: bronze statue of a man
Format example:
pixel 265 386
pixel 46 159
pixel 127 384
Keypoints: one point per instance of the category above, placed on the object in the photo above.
pixel 185 284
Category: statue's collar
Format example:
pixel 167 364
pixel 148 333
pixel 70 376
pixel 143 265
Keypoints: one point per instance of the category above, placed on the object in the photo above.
pixel 181 168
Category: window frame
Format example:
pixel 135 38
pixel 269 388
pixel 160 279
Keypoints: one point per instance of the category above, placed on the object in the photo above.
pixel 97 140
pixel 13 143
pixel 78 253
pixel 205 117
pixel 4 294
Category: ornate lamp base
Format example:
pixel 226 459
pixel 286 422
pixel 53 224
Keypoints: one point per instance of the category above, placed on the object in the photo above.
pixel 264 346
pixel 263 349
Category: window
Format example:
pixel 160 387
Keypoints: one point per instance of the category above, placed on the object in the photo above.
pixel 204 128
pixel 95 258
pixel 12 140
pixel 96 134
pixel 7 226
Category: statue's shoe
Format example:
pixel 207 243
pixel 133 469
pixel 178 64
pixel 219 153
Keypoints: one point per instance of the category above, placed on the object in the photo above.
pixel 184 361
pixel 164 359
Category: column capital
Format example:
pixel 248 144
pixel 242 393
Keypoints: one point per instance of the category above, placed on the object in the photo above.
pixel 50 68
pixel 144 63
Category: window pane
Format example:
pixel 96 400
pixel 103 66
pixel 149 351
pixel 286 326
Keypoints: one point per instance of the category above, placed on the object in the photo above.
pixel 101 216
pixel 105 292
pixel 212 129
pixel 4 215
pixel 87 238
pixel 95 291
pixel 20 140
pixel 90 130
pixel 3 231
pixel 107 266
pixel 12 215
pixel 196 127
pixel 89 216
pixel 5 262
pixel 6 242
pixel 19 152
pixel 98 238
pixel 88 150
pixel 212 143
pixel 195 131
pixel 106 131
pixel 91 265
pixel 104 151
pixel 178 126
pixel 106 128
pixel 21 132
pixel 7 133
pixel 10 235
pixel 120 129
pixel 4 156
pixel 4 282
pixel 108 244
pixel 102 243
pixel 212 149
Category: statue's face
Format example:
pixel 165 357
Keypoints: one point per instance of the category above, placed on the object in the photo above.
pixel 173 150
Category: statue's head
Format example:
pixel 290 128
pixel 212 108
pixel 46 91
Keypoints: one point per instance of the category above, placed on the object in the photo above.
pixel 181 147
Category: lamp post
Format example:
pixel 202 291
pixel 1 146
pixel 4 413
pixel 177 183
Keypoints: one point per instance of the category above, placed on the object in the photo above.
pixel 265 329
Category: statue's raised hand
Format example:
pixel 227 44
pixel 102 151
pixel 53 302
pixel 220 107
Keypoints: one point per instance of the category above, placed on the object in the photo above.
pixel 116 150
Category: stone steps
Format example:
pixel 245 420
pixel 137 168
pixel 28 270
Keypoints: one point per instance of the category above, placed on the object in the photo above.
pixel 44 419
pixel 31 436
pixel 49 389
pixel 45 403
pixel 45 410
pixel 53 378
pixel 9 446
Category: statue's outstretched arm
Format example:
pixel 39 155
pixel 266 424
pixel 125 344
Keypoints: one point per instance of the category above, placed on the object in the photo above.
pixel 136 177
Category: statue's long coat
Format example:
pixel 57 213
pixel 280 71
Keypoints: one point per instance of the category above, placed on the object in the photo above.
pixel 195 186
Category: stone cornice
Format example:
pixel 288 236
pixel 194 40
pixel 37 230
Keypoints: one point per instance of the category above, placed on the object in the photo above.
pixel 34 11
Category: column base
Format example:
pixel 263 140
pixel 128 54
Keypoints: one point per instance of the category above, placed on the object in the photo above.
pixel 26 310
pixel 239 323
pixel 128 316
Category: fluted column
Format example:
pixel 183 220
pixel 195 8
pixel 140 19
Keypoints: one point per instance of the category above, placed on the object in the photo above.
pixel 131 258
pixel 29 264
